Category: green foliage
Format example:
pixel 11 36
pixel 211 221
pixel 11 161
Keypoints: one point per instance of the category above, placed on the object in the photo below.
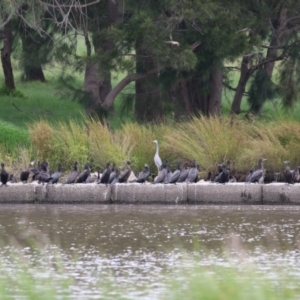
pixel 12 137
pixel 262 89
pixel 38 101
pixel 5 91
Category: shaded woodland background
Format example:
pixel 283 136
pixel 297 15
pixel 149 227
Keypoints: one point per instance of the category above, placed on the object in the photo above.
pixel 181 55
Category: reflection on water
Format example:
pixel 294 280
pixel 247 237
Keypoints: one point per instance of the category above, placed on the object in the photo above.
pixel 142 244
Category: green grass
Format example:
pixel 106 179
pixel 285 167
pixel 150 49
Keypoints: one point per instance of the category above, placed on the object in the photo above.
pixel 12 136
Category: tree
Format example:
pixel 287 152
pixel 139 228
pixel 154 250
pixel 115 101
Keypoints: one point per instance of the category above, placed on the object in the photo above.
pixel 6 54
pixel 277 24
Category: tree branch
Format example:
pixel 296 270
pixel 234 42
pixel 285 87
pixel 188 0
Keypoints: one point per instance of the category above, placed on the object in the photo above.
pixel 280 57
pixel 109 99
pixel 229 86
pixel 73 5
pixel 7 20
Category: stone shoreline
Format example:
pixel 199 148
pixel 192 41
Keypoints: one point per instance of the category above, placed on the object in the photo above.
pixel 136 193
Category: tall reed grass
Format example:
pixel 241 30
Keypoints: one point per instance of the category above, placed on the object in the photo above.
pixel 210 141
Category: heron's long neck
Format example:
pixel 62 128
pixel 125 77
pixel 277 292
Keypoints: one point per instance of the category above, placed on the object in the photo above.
pixel 156 149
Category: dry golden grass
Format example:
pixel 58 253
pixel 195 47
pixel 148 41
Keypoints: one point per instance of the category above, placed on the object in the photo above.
pixel 104 147
pixel 71 143
pixel 140 138
pixel 209 141
pixel 42 137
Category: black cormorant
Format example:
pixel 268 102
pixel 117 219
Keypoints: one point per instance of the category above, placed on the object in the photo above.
pixel 193 173
pixel 208 178
pixel 112 173
pixel 84 174
pixel 161 174
pixel 223 176
pixel 25 174
pixel 56 175
pixel 288 173
pixel 275 176
pixel 176 174
pixel 259 173
pixel 124 175
pixel 73 175
pixel 143 176
pixel 168 175
pixel 106 174
pixel 116 178
pixel 35 171
pixel 43 176
pixel 184 173
pixel 3 175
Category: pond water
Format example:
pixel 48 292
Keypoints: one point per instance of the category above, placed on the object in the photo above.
pixel 137 246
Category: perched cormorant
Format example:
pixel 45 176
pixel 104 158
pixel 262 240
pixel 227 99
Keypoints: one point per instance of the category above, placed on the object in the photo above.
pixel 116 178
pixel 25 174
pixel 124 175
pixel 275 176
pixel 208 178
pixel 184 173
pixel 112 173
pixel 36 171
pixel 106 174
pixel 89 179
pixel 43 176
pixel 157 159
pixel 176 174
pixel 3 175
pixel 161 174
pixel 98 177
pixel 168 175
pixel 84 174
pixel 56 175
pixel 249 175
pixel 193 173
pixel 11 178
pixel 73 175
pixel 143 176
pixel 223 176
pixel 259 173
pixel 296 174
pixel 288 173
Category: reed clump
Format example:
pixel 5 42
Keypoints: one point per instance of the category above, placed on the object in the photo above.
pixel 42 136
pixel 71 144
pixel 210 141
pixel 104 145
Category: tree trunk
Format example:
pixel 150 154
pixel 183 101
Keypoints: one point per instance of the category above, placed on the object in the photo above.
pixel 97 80
pixel 148 102
pixel 32 73
pixel 5 56
pixel 31 61
pixel 268 67
pixel 241 87
pixel 215 95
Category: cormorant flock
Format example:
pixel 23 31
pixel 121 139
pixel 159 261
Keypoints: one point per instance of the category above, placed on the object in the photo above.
pixel 112 175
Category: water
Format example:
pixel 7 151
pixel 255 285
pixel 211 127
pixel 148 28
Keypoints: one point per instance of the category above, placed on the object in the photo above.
pixel 142 244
